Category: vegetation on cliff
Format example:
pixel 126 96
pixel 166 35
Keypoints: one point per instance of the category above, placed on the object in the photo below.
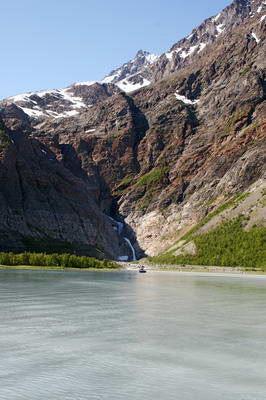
pixel 227 245
pixel 54 260
pixel 153 177
pixel 233 202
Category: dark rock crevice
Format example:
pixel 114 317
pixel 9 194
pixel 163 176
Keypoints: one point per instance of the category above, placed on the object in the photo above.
pixel 141 126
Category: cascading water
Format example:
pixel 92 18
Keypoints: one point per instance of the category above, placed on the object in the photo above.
pixel 132 248
pixel 118 227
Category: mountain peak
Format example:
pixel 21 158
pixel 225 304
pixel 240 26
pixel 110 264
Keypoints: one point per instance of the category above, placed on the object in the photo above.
pixel 142 53
pixel 129 76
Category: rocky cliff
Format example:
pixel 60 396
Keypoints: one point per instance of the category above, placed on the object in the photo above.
pixel 46 207
pixel 160 158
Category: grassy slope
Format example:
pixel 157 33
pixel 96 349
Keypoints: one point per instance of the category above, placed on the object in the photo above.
pixel 226 245
pixel 227 242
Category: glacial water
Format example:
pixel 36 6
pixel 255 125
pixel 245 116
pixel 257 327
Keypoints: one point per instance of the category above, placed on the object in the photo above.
pixel 124 335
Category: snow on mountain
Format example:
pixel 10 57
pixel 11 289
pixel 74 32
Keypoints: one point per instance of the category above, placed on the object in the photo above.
pixel 206 33
pixel 255 37
pixel 127 86
pixel 139 72
pixel 131 76
pixel 88 83
pixel 48 103
pixel 184 99
pixel 61 103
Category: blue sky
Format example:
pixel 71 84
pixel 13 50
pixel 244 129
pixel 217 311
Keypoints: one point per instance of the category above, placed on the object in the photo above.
pixel 48 44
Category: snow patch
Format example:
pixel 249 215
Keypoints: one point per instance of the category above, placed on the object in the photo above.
pixel 109 79
pixel 217 17
pixel 127 86
pixel 261 7
pixel 220 28
pixel 21 97
pixel 151 58
pixel 32 113
pixel 90 130
pixel 255 37
pixel 263 18
pixel 169 56
pixel 88 83
pixel 185 99
pixel 188 52
pixel 76 101
pixel 202 46
pixel 68 113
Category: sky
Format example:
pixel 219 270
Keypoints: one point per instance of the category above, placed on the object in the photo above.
pixel 48 44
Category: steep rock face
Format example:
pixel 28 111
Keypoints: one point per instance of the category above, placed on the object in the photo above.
pixel 45 207
pixel 166 155
pixel 216 149
pixel 104 140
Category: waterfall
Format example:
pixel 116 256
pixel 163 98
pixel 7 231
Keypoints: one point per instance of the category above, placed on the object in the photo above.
pixel 132 248
pixel 118 227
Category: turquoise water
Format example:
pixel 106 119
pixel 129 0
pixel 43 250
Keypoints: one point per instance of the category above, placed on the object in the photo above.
pixel 123 335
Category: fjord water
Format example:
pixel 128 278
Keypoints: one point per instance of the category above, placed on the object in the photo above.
pixel 123 335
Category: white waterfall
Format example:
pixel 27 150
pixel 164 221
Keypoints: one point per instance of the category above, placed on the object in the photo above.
pixel 118 227
pixel 132 248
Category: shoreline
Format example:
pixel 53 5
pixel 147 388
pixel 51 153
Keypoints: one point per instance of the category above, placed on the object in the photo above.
pixel 124 266
pixel 194 268
pixel 53 268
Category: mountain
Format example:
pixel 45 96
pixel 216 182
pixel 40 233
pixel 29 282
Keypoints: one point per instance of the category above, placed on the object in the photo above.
pixel 185 152
pixel 139 72
pixel 44 205
pixel 204 35
pixel 59 103
pixel 70 101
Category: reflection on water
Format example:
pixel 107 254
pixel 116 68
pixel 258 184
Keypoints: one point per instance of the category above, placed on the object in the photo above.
pixel 124 335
